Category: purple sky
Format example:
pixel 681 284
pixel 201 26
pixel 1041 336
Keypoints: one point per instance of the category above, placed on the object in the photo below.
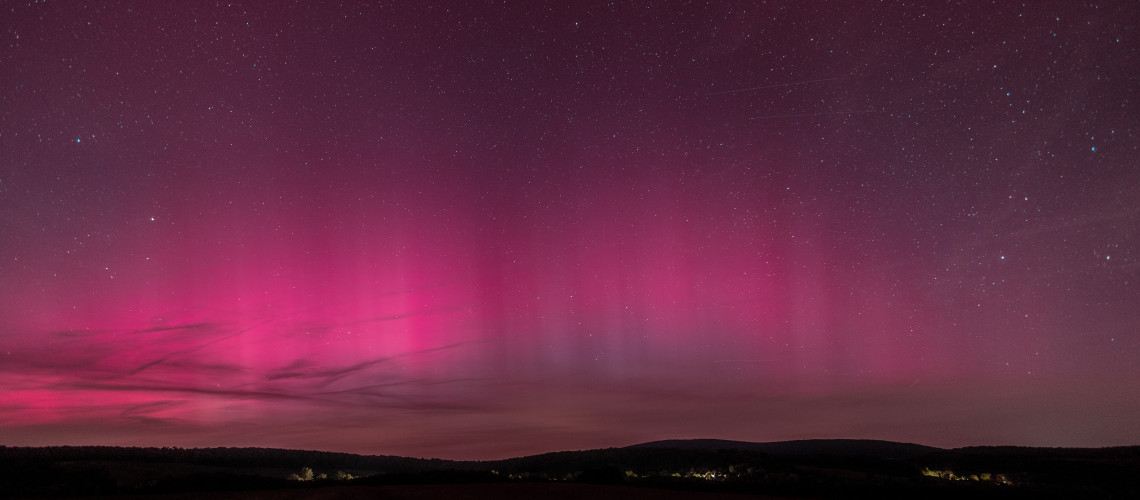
pixel 499 229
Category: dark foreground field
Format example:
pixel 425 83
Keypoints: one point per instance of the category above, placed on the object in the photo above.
pixel 543 491
pixel 702 469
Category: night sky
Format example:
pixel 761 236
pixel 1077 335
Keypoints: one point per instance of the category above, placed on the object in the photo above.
pixel 486 230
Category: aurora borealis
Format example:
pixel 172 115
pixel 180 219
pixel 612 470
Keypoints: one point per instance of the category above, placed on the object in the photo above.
pixel 485 230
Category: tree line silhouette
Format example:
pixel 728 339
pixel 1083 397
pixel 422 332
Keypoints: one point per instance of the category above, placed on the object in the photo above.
pixel 807 471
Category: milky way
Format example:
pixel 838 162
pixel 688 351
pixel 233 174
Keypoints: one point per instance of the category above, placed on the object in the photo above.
pixel 483 231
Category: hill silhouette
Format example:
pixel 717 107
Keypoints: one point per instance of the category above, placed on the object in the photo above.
pixel 833 468
pixel 806 447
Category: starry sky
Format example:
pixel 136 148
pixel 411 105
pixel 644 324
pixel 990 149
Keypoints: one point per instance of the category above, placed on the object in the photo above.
pixel 486 229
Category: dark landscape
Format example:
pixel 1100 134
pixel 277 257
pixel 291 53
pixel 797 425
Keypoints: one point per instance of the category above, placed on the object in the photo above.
pixel 662 469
